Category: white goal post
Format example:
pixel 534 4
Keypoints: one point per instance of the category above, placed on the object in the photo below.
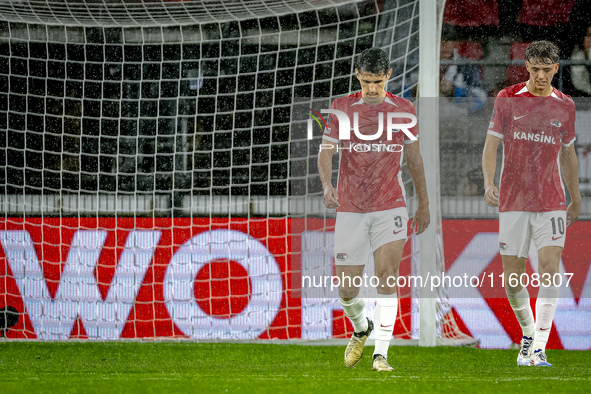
pixel 429 37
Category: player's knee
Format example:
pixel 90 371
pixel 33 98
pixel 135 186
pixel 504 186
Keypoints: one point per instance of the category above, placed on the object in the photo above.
pixel 548 271
pixel 384 273
pixel 348 293
pixel 513 283
pixel 512 290
pixel 513 265
pixel 548 265
pixel 387 280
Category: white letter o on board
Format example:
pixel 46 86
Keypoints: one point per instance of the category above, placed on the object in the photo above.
pixel 257 260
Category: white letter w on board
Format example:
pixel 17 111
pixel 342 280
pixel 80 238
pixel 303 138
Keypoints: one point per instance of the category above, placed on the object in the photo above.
pixel 78 293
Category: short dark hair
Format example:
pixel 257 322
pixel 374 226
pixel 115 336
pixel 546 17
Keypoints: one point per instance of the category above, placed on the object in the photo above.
pixel 373 60
pixel 545 51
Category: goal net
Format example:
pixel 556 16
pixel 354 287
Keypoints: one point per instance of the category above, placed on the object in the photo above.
pixel 149 168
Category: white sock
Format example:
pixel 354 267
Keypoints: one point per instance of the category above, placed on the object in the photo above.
pixel 384 320
pixel 522 309
pixel 355 310
pixel 545 308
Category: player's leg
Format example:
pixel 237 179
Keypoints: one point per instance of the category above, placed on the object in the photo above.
pixel 549 233
pixel 514 242
pixel 518 296
pixel 387 260
pixel 548 264
pixel 351 254
pixel 353 305
pixel 388 233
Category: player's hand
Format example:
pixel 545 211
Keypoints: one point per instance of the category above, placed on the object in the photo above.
pixel 331 197
pixel 491 196
pixel 572 213
pixel 421 220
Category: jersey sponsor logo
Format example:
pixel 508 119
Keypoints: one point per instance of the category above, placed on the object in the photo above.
pixel 502 246
pixel 383 326
pixel 555 238
pixel 545 139
pixel 545 329
pixel 396 232
pixel 357 147
pixel 342 256
pixel 519 117
pixel 555 123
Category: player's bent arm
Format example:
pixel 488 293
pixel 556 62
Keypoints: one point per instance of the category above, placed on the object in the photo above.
pixel 414 161
pixel 489 166
pixel 327 150
pixel 570 170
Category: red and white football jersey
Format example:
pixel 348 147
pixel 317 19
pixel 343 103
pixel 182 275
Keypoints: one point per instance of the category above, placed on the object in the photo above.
pixel 370 179
pixel 533 130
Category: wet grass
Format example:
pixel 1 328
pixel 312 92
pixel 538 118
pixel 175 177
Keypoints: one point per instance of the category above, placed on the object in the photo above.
pixel 203 368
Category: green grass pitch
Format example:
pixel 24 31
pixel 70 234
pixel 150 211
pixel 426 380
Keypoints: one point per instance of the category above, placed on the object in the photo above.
pixel 219 367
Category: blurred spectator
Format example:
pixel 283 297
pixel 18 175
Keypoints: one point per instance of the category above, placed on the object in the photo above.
pixel 460 80
pixel 547 20
pixel 579 75
pixel 472 184
pixel 470 19
pixel 517 74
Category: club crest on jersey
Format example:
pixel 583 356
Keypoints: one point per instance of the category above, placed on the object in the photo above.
pixel 342 256
pixel 555 123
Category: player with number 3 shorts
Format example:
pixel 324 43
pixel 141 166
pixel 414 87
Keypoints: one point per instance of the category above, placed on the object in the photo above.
pixel 370 200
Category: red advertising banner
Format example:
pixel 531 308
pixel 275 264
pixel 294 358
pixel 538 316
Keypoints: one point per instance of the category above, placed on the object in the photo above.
pixel 224 278
pixel 471 246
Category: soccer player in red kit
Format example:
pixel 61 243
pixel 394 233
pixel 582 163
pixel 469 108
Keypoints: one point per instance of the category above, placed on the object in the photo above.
pixel 370 199
pixel 536 124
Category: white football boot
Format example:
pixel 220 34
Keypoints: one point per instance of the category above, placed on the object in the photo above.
pixel 380 363
pixel 539 359
pixel 525 351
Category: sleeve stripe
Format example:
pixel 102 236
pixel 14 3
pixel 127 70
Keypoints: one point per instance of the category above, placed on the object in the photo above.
pixel 499 135
pixel 406 142
pixel 569 143
pixel 336 141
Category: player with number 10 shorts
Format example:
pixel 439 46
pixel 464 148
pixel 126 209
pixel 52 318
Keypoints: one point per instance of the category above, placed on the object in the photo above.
pixel 536 124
